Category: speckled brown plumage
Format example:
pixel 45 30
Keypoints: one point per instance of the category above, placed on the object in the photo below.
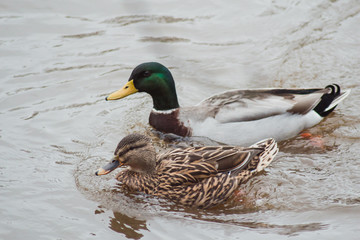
pixel 196 176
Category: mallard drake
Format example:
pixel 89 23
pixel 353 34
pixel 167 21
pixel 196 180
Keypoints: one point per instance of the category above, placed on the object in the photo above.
pixel 234 117
pixel 195 176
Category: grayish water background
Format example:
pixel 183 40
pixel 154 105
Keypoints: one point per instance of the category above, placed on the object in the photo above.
pixel 59 59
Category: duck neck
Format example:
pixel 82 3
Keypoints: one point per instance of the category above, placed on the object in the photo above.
pixel 165 101
pixel 164 94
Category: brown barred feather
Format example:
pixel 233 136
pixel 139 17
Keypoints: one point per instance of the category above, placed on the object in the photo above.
pixel 196 176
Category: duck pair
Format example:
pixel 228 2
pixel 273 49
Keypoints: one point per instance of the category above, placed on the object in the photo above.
pixel 206 176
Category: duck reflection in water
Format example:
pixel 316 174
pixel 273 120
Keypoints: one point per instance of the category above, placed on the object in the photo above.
pixel 129 226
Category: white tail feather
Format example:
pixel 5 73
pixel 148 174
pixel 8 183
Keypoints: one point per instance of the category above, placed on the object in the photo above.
pixel 337 100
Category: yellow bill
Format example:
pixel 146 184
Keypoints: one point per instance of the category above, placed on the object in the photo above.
pixel 127 90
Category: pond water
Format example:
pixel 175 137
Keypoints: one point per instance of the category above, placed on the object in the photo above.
pixel 59 59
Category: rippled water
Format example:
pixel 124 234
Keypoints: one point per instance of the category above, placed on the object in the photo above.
pixel 59 59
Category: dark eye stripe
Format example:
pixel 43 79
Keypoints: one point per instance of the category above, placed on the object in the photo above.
pixel 126 149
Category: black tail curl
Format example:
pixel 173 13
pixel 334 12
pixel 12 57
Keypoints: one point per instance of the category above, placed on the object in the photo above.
pixel 327 99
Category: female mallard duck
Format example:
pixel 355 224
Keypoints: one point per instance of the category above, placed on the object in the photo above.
pixel 195 176
pixel 234 117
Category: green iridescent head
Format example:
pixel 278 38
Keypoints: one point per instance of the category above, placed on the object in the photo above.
pixel 154 79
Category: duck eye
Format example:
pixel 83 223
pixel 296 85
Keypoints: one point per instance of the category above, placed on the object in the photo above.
pixel 146 73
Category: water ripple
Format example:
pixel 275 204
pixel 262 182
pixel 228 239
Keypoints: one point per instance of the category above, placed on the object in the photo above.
pixel 84 35
pixel 85 66
pixel 71 106
pixel 132 19
pixel 164 39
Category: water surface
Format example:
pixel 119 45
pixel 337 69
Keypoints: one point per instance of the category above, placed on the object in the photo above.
pixel 59 59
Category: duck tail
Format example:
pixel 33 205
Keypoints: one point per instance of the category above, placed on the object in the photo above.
pixel 270 150
pixel 330 100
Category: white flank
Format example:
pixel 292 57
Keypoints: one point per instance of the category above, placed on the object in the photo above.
pixel 279 127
